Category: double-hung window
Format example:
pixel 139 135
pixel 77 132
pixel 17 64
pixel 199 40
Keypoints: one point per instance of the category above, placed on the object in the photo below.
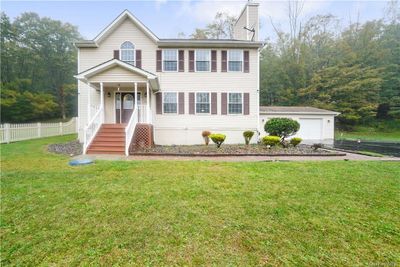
pixel 203 103
pixel 170 102
pixel 203 59
pixel 170 60
pixel 127 51
pixel 235 103
pixel 235 60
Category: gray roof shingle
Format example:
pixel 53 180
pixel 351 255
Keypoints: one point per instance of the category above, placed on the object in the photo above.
pixel 295 110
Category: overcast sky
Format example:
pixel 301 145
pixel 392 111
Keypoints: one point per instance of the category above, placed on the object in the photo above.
pixel 167 18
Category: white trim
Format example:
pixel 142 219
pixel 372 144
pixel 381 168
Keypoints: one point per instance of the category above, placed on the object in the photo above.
pixel 227 61
pixel 134 52
pixel 195 103
pixel 114 62
pixel 227 104
pixel 195 60
pixel 162 60
pixel 115 107
pixel 118 20
pixel 177 103
pixel 258 93
pixel 298 113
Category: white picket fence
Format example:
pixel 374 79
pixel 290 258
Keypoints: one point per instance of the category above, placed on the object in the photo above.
pixel 25 131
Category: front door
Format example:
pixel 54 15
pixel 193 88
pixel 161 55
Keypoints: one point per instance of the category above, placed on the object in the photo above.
pixel 125 103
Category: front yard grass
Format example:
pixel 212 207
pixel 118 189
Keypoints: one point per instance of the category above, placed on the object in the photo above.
pixel 196 213
pixel 385 131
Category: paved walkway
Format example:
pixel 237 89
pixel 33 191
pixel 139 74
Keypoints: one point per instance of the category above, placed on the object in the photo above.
pixel 349 156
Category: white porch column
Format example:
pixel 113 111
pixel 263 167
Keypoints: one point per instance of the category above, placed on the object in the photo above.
pixel 102 98
pixel 88 111
pixel 136 107
pixel 147 103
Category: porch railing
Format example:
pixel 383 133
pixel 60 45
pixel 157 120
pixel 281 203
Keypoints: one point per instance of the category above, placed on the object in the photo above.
pixel 144 114
pixel 130 130
pixel 92 128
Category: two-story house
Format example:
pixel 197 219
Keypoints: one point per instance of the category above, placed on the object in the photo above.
pixel 135 87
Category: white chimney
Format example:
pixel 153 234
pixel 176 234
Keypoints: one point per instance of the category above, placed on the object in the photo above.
pixel 247 25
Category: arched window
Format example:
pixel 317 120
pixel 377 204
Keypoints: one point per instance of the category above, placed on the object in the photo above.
pixel 128 101
pixel 128 52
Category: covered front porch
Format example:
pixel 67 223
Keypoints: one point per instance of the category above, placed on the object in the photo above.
pixel 118 94
pixel 121 100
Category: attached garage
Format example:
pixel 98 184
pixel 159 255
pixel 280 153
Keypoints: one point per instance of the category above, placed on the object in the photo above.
pixel 316 125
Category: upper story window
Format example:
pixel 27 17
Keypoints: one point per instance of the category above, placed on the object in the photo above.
pixel 202 57
pixel 202 102
pixel 170 102
pixel 235 103
pixel 170 60
pixel 127 51
pixel 235 60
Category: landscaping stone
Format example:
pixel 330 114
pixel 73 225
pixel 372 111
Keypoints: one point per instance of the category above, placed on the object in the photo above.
pixel 71 148
pixel 231 150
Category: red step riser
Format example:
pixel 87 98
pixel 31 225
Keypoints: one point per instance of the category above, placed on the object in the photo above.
pixel 119 135
pixel 105 152
pixel 102 144
pixel 109 139
pixel 112 131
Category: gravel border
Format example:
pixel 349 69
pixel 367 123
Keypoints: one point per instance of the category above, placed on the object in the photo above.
pixel 232 150
pixel 72 148
pixel 333 154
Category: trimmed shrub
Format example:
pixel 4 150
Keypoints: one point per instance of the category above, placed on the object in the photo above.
pixel 247 136
pixel 271 140
pixel 295 141
pixel 218 139
pixel 282 127
pixel 206 137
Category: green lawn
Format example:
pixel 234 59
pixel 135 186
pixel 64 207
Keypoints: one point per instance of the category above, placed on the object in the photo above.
pixel 369 134
pixel 388 131
pixel 196 213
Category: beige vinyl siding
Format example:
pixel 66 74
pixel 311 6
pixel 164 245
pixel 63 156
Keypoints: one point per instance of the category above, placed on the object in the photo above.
pixel 238 32
pixel 126 31
pixel 253 21
pixel 169 128
pixel 174 129
pixel 90 57
pixel 117 74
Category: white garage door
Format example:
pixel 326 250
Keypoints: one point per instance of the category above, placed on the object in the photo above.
pixel 310 129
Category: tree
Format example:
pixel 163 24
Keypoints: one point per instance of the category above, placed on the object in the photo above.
pixel 40 50
pixel 220 28
pixel 355 70
pixel 282 127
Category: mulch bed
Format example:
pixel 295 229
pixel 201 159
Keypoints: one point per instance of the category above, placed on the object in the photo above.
pixel 234 150
pixel 73 148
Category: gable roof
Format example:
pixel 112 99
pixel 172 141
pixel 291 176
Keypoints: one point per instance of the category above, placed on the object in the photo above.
pixel 295 110
pixel 234 43
pixel 84 75
pixel 112 26
pixel 164 42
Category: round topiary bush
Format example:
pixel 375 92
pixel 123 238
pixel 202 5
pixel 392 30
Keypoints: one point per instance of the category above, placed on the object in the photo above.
pixel 218 139
pixel 271 140
pixel 206 137
pixel 282 127
pixel 295 141
pixel 247 136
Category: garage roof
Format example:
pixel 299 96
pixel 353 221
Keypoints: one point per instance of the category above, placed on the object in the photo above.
pixel 295 110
